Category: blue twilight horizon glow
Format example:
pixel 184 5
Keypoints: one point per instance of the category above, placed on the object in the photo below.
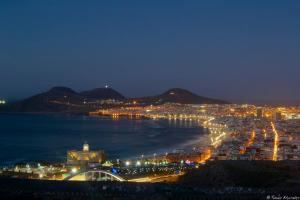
pixel 232 50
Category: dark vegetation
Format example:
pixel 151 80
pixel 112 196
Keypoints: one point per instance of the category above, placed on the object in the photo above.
pixel 257 174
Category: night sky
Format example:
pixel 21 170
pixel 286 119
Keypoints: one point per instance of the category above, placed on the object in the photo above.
pixel 232 50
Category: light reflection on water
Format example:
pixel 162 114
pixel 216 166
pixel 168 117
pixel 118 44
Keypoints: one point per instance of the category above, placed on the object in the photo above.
pixel 29 137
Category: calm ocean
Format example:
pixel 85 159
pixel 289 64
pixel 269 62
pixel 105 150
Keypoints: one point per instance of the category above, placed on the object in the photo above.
pixel 34 137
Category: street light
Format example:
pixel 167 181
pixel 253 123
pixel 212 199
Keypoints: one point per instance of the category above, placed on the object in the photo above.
pixel 138 163
pixel 127 163
pixel 74 170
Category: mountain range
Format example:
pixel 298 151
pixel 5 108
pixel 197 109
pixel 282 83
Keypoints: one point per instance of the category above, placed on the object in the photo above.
pixel 63 99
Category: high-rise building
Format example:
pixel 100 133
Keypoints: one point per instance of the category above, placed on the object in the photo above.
pixel 259 112
pixel 277 116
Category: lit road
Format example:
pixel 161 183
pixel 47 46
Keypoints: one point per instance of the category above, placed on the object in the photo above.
pixel 155 179
pixel 275 150
pixel 249 142
pixel 140 180
pixel 217 140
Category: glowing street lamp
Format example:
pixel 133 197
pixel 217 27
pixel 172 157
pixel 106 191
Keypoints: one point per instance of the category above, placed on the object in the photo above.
pixel 74 170
pixel 127 163
pixel 138 163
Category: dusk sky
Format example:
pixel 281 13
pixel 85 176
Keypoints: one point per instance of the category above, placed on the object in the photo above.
pixel 232 50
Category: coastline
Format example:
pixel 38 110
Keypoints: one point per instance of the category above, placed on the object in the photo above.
pixel 47 127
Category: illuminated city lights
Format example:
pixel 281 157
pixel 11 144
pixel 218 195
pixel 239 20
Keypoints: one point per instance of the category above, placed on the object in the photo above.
pixel 232 135
pixel 275 151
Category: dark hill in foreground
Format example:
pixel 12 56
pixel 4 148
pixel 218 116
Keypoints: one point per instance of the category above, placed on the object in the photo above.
pixel 199 184
pixel 254 174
